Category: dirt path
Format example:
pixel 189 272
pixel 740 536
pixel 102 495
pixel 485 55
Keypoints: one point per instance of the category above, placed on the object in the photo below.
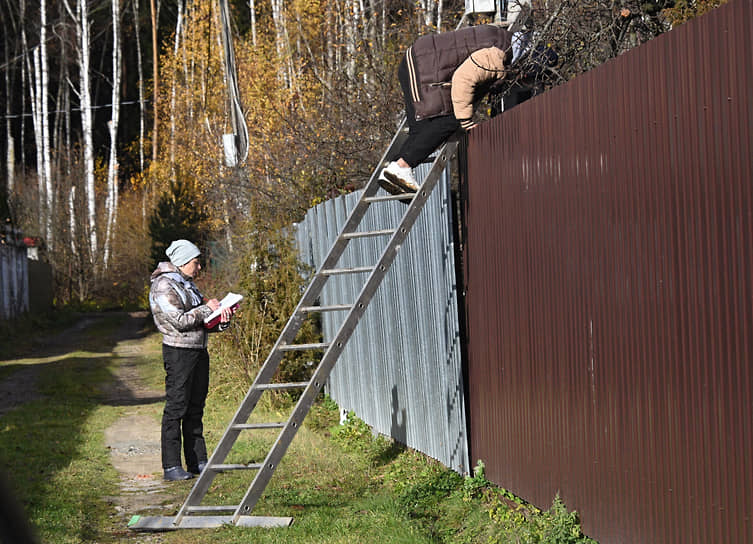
pixel 134 439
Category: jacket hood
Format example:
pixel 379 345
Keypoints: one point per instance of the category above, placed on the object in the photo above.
pixel 165 268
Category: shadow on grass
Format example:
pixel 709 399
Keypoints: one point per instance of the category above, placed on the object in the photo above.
pixel 43 440
pixel 92 332
pixel 54 465
pixel 389 453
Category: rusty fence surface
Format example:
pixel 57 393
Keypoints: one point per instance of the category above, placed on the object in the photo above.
pixel 608 267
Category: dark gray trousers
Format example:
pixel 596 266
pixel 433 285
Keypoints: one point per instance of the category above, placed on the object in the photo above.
pixel 425 135
pixel 186 388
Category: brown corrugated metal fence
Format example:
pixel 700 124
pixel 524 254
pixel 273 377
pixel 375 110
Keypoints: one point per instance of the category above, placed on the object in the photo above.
pixel 608 268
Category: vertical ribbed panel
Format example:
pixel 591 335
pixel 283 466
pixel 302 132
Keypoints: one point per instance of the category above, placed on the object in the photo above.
pixel 14 276
pixel 609 264
pixel 401 370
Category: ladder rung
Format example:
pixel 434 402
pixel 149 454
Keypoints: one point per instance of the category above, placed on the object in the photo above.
pixel 250 466
pixel 332 308
pixel 335 271
pixel 303 347
pixel 246 426
pixel 211 508
pixel 404 196
pixel 285 343
pixel 281 386
pixel 365 234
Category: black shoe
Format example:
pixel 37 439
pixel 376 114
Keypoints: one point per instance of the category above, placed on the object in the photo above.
pixel 199 469
pixel 174 474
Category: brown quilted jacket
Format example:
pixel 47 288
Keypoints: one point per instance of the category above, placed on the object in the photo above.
pixel 451 71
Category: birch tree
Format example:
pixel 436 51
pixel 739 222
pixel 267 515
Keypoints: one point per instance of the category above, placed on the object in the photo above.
pixel 10 154
pixel 285 70
pixel 61 137
pixel 38 70
pixel 27 71
pixel 351 37
pixel 9 29
pixel 47 167
pixel 140 70
pixel 173 87
pixel 81 22
pixel 155 77
pixel 431 14
pixel 24 84
pixel 33 67
pixel 252 9
pixel 111 204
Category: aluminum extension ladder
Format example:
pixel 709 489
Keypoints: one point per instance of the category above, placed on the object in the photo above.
pixel 192 514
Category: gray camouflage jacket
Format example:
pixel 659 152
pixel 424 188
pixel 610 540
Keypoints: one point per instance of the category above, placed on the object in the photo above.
pixel 178 308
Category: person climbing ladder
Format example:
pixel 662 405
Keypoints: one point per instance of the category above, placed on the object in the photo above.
pixel 443 76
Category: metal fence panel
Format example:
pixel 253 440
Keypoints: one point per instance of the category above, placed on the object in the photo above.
pixel 401 370
pixel 14 282
pixel 609 294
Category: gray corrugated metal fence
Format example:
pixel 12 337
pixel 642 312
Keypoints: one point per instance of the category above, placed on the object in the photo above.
pixel 610 290
pixel 401 370
pixel 14 277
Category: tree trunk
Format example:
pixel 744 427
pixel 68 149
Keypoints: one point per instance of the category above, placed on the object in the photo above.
pixel 252 8
pixel 10 156
pixel 140 68
pixel 45 113
pixel 57 127
pixel 24 53
pixel 67 138
pixel 173 90
pixel 10 161
pixel 35 82
pixel 112 169
pixel 72 217
pixel 351 31
pixel 428 9
pixel 82 29
pixel 28 72
pixel 155 76
pixel 278 18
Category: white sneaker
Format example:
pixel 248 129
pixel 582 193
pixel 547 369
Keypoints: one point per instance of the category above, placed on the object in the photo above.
pixel 401 176
pixel 388 186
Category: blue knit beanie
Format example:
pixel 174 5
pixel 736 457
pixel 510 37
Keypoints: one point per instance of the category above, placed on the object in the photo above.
pixel 182 251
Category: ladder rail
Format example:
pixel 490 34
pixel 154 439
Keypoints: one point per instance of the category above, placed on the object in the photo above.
pixel 337 345
pixel 292 327
pixel 272 363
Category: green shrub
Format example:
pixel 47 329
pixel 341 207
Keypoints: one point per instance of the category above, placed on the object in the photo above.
pixel 473 486
pixel 354 435
pixel 516 521
pixel 432 485
pixel 324 414
pixel 180 214
pixel 270 276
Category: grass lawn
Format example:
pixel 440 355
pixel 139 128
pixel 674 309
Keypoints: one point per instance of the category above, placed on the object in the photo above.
pixel 340 483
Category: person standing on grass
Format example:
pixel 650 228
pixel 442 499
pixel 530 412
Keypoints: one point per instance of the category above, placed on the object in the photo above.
pixel 179 310
pixel 443 76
